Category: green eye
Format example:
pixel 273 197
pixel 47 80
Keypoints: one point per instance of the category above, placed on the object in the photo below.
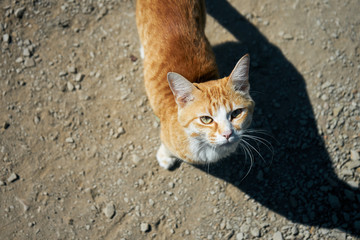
pixel 206 120
pixel 237 113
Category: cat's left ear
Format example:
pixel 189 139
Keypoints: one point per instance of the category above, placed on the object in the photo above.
pixel 239 77
pixel 181 88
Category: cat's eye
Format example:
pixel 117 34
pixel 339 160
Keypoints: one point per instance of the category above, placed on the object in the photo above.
pixel 206 120
pixel 237 113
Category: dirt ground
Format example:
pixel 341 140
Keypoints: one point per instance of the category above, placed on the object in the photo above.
pixel 78 138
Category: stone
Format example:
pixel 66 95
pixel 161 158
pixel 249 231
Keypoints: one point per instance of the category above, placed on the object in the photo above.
pixel 13 177
pixel 145 227
pixel 26 52
pixel 334 201
pixel 69 140
pixel 120 78
pixel 29 63
pixel 19 60
pixel 62 74
pixel 294 230
pixel 288 36
pixel 109 210
pixel 136 159
pixel 337 111
pixel 349 195
pixel 255 232
pixel 121 130
pixel 19 13
pixel 354 155
pixel 229 235
pixel 72 69
pixel 244 228
pixel 278 236
pixel 36 119
pixel 352 164
pixel 79 77
pixel 240 236
pixel 6 38
pixel 70 86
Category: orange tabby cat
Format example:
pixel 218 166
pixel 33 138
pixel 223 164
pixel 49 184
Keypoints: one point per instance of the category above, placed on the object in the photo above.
pixel 202 119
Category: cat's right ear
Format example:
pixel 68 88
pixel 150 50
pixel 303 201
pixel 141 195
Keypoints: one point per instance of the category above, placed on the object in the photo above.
pixel 240 75
pixel 181 88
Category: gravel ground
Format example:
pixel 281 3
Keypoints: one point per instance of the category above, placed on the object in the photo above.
pixel 78 138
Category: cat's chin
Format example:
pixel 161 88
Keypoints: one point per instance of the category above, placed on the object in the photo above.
pixel 228 145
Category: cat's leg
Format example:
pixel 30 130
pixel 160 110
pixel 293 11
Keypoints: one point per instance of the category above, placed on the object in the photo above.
pixel 165 158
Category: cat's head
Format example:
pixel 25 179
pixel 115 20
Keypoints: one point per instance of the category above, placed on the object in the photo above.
pixel 215 112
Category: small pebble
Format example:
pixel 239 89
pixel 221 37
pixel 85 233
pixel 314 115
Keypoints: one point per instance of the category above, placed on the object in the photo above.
pixel 72 69
pixel 145 227
pixel 354 155
pixel 119 78
pixel 26 52
pixel 240 236
pixel 255 232
pixel 278 236
pixel 337 111
pixel 79 77
pixel 294 230
pixel 62 74
pixel 19 60
pixel 136 159
pixel 36 120
pixel 13 177
pixel 288 36
pixel 19 13
pixel 109 210
pixel 6 38
pixel 69 140
pixel 29 62
pixel 121 130
pixel 334 201
pixel 70 86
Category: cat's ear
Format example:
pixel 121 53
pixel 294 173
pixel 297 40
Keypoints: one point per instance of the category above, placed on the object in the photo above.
pixel 181 88
pixel 239 77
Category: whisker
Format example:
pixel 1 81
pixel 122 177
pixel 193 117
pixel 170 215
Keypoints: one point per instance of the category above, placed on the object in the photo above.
pixel 263 141
pixel 247 152
pixel 253 148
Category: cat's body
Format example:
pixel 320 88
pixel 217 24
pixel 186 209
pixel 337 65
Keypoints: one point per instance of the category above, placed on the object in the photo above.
pixel 196 114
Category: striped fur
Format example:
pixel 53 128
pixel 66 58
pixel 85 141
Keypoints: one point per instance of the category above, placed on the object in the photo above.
pixel 173 40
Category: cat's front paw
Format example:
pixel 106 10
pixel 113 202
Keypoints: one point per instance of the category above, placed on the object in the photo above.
pixel 167 163
pixel 164 157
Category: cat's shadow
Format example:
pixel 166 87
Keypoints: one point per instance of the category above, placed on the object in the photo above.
pixel 297 180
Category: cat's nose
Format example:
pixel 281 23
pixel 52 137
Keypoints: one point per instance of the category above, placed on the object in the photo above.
pixel 227 134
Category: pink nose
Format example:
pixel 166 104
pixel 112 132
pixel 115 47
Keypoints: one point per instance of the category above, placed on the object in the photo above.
pixel 227 134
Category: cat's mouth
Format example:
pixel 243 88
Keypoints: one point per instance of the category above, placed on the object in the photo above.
pixel 229 142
